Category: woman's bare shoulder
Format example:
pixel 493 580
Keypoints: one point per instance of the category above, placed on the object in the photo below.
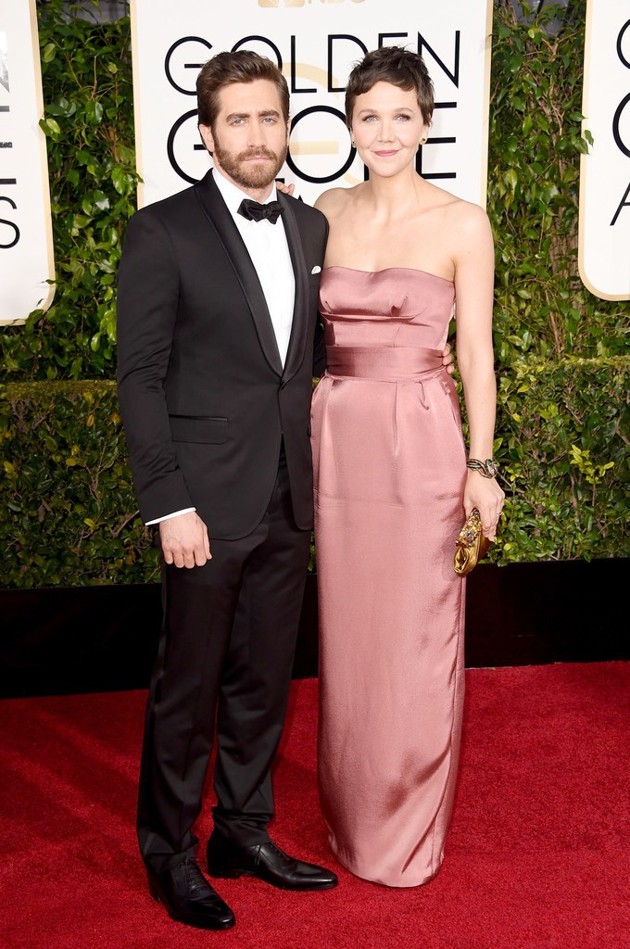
pixel 467 215
pixel 333 202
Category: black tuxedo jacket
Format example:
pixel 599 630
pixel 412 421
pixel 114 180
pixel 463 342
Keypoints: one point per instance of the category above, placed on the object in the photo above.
pixel 205 400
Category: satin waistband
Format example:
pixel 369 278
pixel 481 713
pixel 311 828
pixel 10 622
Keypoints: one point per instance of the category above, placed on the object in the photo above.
pixel 387 364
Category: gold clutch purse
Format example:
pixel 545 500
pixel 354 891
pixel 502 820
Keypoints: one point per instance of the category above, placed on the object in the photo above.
pixel 471 545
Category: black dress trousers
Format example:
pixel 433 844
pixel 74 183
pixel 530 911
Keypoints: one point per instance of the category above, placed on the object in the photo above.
pixel 225 659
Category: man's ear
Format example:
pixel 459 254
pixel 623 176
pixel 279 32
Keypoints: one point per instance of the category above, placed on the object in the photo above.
pixel 206 136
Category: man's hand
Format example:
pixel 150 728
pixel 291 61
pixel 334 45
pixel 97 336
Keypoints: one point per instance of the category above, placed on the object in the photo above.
pixel 185 541
pixel 448 361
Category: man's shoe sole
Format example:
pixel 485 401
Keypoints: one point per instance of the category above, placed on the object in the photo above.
pixel 233 874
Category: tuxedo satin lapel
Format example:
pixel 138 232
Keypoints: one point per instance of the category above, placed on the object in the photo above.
pixel 221 220
pixel 299 327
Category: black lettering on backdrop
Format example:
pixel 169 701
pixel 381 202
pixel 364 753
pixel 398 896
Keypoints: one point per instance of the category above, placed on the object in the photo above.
pixel 434 175
pixel 332 37
pixel 170 146
pixel 620 39
pixel 294 61
pixel 621 145
pixel 454 75
pixel 622 204
pixel 16 230
pixel 195 66
pixel 260 39
pixel 616 123
pixel 390 36
pixel 326 178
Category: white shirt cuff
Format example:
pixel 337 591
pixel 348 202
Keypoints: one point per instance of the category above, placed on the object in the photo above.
pixel 167 517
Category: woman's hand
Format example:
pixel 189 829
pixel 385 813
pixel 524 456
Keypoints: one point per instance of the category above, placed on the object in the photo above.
pixel 448 360
pixel 285 188
pixel 486 495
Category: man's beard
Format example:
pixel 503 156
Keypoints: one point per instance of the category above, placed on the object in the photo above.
pixel 244 174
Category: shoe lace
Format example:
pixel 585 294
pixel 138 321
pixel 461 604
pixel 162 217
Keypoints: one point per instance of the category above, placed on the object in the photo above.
pixel 195 880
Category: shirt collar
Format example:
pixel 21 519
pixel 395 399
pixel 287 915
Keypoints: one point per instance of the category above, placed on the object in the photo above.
pixel 232 195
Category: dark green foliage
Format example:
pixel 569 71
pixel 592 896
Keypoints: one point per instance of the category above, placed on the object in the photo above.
pixel 69 513
pixel 561 440
pixel 564 459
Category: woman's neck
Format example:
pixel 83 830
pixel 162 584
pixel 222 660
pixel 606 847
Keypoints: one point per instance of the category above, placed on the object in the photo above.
pixel 394 197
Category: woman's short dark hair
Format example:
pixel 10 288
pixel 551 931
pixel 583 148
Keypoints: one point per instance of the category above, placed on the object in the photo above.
pixel 227 68
pixel 395 65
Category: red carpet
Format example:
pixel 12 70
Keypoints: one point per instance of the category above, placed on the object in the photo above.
pixel 537 855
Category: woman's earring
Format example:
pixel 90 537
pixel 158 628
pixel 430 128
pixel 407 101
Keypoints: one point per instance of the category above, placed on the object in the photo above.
pixel 423 140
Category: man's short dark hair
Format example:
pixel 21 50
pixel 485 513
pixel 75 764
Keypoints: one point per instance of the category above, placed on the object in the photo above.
pixel 226 68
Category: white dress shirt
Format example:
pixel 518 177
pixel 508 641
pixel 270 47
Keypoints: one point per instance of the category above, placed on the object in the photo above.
pixel 267 246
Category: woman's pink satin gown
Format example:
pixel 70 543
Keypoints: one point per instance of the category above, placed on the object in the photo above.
pixel 390 467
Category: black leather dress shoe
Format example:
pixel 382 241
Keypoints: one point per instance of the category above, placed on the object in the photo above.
pixel 267 862
pixel 189 898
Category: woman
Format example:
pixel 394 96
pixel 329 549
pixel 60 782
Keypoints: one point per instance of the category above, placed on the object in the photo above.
pixel 392 483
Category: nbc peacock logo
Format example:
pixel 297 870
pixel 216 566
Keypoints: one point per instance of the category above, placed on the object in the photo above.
pixel 298 3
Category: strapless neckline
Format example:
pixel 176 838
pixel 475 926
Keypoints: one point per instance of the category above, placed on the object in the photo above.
pixel 375 273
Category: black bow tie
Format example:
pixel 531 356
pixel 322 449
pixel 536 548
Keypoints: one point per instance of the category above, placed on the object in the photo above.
pixel 254 211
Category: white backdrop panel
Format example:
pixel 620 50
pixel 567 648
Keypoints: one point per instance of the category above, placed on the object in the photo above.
pixel 604 241
pixel 26 255
pixel 316 45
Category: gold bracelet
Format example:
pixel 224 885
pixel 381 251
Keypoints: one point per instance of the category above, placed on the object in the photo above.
pixel 487 468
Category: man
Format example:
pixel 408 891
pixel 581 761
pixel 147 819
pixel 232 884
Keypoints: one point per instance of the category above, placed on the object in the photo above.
pixel 217 320
pixel 217 317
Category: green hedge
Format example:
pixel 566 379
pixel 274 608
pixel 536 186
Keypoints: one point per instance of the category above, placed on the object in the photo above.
pixel 564 460
pixel 64 479
pixel 69 513
pixel 72 517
